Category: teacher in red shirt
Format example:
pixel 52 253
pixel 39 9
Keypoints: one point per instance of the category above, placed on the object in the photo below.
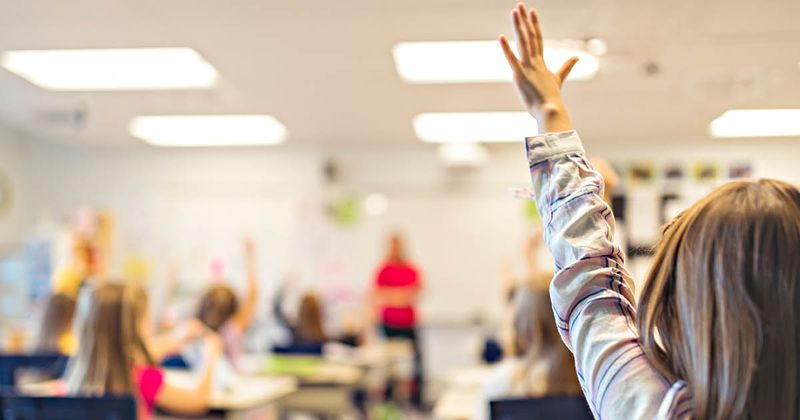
pixel 395 291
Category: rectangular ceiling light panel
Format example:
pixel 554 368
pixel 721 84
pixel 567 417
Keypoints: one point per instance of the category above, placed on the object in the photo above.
pixel 208 130
pixel 475 127
pixel 478 61
pixel 112 69
pixel 756 123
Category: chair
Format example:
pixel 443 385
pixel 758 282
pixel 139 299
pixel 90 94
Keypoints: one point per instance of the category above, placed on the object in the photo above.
pixel 49 365
pixel 307 349
pixel 20 407
pixel 567 408
pixel 175 361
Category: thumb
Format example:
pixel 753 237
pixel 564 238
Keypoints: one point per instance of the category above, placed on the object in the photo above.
pixel 563 72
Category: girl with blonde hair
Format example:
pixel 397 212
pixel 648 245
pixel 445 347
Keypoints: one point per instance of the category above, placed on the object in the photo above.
pixel 716 333
pixel 538 363
pixel 113 357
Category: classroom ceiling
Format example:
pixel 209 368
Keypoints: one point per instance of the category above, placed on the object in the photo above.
pixel 325 69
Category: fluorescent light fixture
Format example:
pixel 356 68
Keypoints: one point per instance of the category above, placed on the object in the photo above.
pixel 208 130
pixel 479 61
pixel 376 204
pixel 463 154
pixel 756 123
pixel 112 69
pixel 596 46
pixel 466 127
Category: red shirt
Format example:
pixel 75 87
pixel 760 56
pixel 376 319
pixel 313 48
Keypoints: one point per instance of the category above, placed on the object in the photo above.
pixel 398 276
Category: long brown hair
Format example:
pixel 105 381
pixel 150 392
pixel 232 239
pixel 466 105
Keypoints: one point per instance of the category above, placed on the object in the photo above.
pixel 56 322
pixel 536 340
pixel 217 306
pixel 309 327
pixel 109 320
pixel 718 309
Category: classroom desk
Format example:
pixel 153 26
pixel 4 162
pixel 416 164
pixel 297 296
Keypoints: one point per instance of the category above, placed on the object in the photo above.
pixel 456 404
pixel 379 355
pixel 462 389
pixel 324 387
pixel 253 397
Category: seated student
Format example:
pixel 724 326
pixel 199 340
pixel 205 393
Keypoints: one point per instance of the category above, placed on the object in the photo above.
pixel 170 343
pixel 56 335
pixel 539 364
pixel 221 311
pixel 716 331
pixel 113 357
pixel 307 330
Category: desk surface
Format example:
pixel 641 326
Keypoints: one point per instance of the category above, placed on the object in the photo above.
pixel 456 404
pixel 248 392
pixel 373 355
pixel 467 377
pixel 308 370
pixel 462 391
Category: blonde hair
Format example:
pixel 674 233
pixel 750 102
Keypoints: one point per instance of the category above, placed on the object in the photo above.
pixel 217 306
pixel 109 320
pixel 56 323
pixel 536 341
pixel 718 309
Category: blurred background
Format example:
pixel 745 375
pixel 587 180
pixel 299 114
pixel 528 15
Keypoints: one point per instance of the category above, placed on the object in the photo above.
pixel 161 133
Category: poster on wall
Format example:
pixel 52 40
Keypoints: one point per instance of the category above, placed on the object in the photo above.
pixel 705 171
pixel 674 172
pixel 39 258
pixel 740 170
pixel 641 173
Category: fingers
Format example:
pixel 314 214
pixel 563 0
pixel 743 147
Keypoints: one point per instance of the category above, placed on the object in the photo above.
pixel 563 72
pixel 533 18
pixel 529 29
pixel 520 29
pixel 510 57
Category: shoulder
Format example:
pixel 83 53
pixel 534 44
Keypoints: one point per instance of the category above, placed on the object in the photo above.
pixel 148 374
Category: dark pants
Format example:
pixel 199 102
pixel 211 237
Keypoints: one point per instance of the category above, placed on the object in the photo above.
pixel 409 333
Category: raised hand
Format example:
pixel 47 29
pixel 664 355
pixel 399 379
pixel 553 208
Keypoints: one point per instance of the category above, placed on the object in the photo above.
pixel 539 88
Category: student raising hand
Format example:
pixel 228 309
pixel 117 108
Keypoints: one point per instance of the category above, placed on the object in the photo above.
pixel 539 88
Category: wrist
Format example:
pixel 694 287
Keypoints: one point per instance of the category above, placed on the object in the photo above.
pixel 552 116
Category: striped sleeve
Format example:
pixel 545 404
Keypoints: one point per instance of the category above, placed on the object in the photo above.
pixel 592 292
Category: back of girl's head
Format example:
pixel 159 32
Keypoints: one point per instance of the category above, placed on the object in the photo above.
pixel 57 322
pixel 536 339
pixel 718 307
pixel 309 320
pixel 217 306
pixel 109 320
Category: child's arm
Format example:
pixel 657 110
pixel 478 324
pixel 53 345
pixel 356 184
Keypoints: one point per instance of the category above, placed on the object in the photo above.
pixel 246 312
pixel 167 344
pixel 193 402
pixel 591 291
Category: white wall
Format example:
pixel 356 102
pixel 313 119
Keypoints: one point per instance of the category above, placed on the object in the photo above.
pixel 187 205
